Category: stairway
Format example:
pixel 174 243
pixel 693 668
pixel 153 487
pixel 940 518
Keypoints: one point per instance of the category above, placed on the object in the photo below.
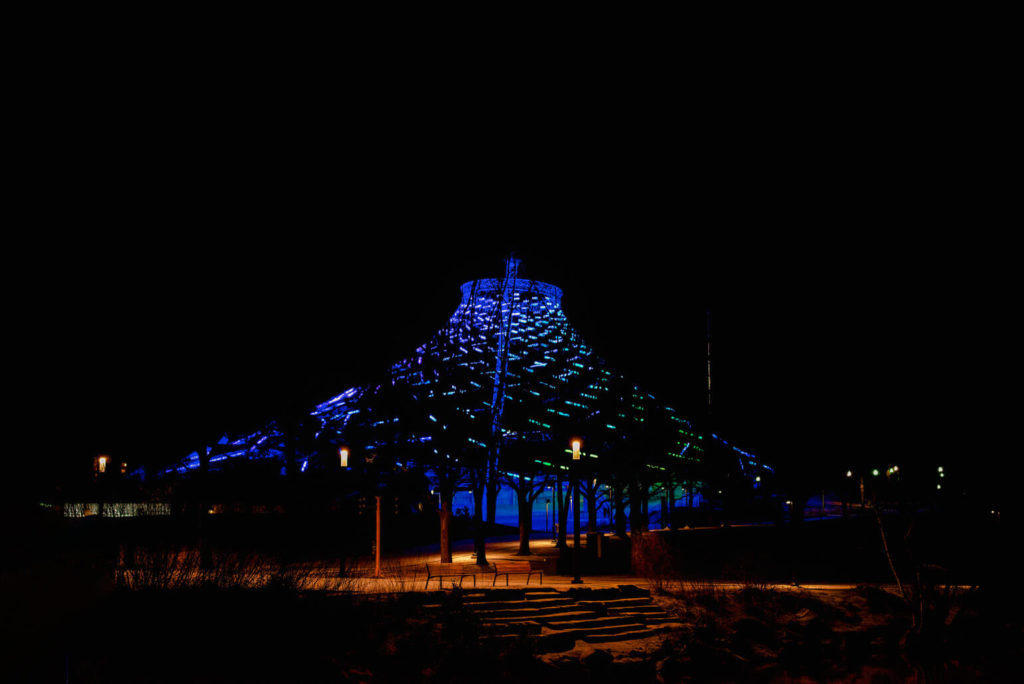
pixel 555 620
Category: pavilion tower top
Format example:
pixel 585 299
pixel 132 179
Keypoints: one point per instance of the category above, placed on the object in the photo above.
pixel 509 285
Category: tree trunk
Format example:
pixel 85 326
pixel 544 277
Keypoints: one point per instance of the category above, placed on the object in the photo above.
pixel 480 538
pixel 672 507
pixel 205 553
pixel 290 451
pixel 592 510
pixel 525 509
pixel 563 514
pixel 645 515
pixel 446 541
pixel 635 509
pixel 493 486
pixel 620 509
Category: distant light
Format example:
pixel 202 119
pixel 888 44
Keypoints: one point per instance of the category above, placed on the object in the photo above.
pixel 576 446
pixel 938 486
pixel 343 457
pixel 103 464
pixel 849 473
pixel 875 472
pixel 757 479
pixel 942 474
pixel 895 469
pixel 940 469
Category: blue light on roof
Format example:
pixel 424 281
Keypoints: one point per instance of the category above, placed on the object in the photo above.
pixel 508 344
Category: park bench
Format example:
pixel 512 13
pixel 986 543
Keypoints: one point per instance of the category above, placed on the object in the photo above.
pixel 442 570
pixel 507 568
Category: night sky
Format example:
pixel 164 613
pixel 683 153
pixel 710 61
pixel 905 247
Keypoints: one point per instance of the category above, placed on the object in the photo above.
pixel 169 288
pixel 826 348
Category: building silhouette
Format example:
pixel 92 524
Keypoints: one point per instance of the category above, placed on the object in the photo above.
pixel 501 388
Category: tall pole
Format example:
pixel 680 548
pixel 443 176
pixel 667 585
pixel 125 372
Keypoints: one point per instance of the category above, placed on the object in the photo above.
pixel 576 513
pixel 576 530
pixel 376 572
pixel 506 305
pixel 708 326
pixel 554 509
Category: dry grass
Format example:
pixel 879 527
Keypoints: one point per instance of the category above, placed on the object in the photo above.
pixel 182 567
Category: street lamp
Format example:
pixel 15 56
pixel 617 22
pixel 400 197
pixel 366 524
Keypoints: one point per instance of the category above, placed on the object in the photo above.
pixel 849 474
pixel 576 444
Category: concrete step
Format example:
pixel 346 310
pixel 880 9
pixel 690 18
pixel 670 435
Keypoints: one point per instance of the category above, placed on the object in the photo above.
pixel 538 602
pixel 625 610
pixel 617 602
pixel 552 643
pixel 524 611
pixel 659 619
pixel 642 633
pixel 568 615
pixel 585 632
pixel 517 627
pixel 484 594
pixel 590 622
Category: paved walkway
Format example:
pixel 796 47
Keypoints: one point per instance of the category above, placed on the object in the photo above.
pixel 407 571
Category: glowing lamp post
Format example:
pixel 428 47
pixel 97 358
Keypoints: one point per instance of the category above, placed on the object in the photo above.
pixel 343 457
pixel 576 444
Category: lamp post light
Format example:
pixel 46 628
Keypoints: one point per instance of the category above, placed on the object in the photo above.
pixel 343 456
pixel 849 474
pixel 576 446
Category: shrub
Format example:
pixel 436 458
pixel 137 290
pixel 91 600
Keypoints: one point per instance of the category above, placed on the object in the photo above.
pixel 653 560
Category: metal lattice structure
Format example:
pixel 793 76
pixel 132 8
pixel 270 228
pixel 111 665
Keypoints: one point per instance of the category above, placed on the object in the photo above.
pixel 504 382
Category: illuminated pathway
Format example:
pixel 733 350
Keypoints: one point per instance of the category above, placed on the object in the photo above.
pixel 407 573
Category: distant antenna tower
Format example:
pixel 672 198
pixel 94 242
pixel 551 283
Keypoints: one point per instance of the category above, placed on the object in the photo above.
pixel 708 319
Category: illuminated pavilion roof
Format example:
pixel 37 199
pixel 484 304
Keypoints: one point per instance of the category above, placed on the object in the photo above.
pixel 508 368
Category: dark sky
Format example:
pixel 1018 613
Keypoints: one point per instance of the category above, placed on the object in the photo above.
pixel 829 344
pixel 190 270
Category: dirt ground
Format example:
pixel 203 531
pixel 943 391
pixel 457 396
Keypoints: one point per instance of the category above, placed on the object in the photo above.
pixel 864 634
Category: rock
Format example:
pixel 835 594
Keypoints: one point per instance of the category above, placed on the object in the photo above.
pixel 598 659
pixel 671 670
pixel 750 629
